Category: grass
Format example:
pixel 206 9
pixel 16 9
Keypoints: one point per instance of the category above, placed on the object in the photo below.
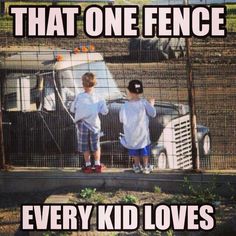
pixel 87 193
pixel 129 198
pixel 231 17
pixel 157 189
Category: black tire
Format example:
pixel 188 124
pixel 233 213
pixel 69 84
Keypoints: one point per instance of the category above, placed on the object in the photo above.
pixel 205 152
pixel 206 144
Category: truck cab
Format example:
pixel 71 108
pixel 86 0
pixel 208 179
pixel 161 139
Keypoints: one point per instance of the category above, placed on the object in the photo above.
pixel 37 88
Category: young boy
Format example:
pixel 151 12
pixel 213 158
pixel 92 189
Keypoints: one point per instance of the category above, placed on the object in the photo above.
pixel 134 115
pixel 86 107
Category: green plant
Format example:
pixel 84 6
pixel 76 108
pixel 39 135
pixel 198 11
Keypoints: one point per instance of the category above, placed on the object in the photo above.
pixel 129 199
pixel 87 192
pixel 99 198
pixel 157 189
pixel 201 193
pixel 232 192
pixel 170 232
pixel 55 234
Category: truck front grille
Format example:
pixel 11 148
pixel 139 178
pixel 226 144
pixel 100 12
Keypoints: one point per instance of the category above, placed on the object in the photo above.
pixel 182 134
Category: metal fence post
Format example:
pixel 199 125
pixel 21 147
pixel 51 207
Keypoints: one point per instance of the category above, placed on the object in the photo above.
pixel 191 101
pixel 2 154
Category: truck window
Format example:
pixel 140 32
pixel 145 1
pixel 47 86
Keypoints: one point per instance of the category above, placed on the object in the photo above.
pixel 18 92
pixel 49 98
pixel 106 86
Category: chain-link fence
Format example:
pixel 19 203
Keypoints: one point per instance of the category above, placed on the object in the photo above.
pixel 40 77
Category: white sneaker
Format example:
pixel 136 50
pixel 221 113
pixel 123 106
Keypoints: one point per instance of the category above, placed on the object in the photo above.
pixel 136 169
pixel 147 170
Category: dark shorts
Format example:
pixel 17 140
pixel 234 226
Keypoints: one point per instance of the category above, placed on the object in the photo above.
pixel 87 140
pixel 146 151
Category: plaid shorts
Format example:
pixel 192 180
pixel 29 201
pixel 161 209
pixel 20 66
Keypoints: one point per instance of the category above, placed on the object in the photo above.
pixel 87 140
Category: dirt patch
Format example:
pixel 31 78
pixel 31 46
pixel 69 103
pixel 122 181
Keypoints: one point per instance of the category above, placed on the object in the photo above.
pixel 10 209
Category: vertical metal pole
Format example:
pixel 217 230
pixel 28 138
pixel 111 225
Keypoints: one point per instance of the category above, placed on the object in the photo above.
pixel 2 154
pixel 191 101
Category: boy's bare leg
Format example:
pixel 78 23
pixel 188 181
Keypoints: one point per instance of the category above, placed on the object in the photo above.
pixel 97 155
pixel 145 160
pixel 136 160
pixel 87 156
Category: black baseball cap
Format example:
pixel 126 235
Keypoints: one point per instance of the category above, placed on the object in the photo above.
pixel 135 86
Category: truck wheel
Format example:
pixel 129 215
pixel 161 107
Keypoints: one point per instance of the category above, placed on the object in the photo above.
pixel 205 161
pixel 162 160
pixel 206 143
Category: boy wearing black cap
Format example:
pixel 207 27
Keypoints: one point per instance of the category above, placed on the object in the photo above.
pixel 134 115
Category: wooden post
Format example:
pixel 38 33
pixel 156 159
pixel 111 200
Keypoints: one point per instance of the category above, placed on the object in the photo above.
pixel 191 101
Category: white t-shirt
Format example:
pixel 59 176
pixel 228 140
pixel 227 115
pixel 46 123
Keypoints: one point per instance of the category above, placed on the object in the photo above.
pixel 86 107
pixel 135 118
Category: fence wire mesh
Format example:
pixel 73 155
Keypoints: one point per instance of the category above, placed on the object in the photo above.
pixel 38 130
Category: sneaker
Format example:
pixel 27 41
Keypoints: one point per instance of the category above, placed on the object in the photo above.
pixel 87 169
pixel 136 169
pixel 147 170
pixel 98 168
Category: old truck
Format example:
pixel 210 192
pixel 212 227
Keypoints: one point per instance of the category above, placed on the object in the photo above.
pixel 37 88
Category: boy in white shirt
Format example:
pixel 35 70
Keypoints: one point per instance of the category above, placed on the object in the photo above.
pixel 134 115
pixel 86 107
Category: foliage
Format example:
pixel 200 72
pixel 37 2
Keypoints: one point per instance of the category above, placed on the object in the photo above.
pixel 99 198
pixel 129 199
pixel 87 193
pixel 201 193
pixel 55 233
pixel 170 232
pixel 231 17
pixel 157 189
pixel 231 191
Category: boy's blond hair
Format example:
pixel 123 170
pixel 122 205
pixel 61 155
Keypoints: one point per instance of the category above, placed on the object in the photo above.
pixel 89 80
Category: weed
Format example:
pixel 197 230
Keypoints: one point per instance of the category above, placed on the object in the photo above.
pixel 55 233
pixel 157 189
pixel 200 193
pixel 170 232
pixel 231 191
pixel 129 199
pixel 87 193
pixel 99 198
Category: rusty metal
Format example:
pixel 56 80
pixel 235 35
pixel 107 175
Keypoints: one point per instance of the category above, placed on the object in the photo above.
pixel 2 154
pixel 191 102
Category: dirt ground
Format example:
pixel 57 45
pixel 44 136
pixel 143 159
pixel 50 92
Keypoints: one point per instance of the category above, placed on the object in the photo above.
pixel 10 210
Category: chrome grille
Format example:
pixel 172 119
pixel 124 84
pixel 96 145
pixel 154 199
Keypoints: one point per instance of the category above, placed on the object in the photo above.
pixel 182 134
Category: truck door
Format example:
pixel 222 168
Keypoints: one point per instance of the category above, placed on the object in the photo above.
pixel 34 125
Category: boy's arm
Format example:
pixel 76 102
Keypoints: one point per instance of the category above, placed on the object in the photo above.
pixel 150 109
pixel 72 107
pixel 103 109
pixel 121 115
